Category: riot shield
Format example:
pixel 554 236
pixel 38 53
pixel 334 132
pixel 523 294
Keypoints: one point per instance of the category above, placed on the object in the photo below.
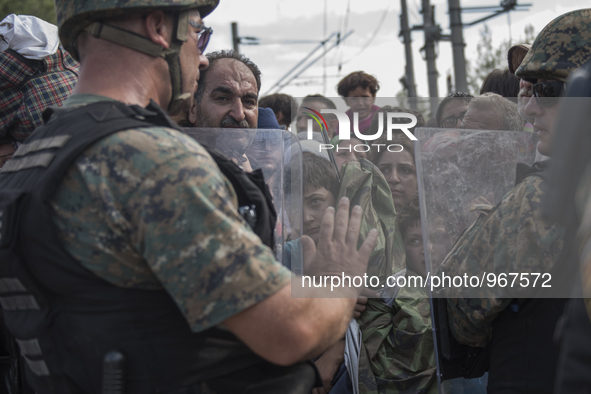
pixel 390 345
pixel 462 175
pixel 261 150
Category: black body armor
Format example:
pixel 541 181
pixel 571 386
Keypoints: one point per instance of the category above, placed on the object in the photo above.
pixel 66 319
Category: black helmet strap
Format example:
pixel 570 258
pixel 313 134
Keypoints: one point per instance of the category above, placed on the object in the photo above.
pixel 143 44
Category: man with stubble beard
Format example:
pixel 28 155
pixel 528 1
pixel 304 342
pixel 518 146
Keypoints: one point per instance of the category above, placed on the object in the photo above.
pixel 227 97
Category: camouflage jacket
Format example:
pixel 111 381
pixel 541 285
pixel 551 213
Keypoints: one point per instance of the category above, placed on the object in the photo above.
pixel 397 353
pixel 148 208
pixel 366 186
pixel 514 238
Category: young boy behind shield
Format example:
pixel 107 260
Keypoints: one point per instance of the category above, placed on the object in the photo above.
pixel 320 190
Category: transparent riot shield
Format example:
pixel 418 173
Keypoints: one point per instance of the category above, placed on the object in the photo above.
pixel 462 175
pixel 390 344
pixel 265 151
pixel 293 197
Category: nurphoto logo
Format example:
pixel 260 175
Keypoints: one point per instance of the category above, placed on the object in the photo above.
pixel 345 129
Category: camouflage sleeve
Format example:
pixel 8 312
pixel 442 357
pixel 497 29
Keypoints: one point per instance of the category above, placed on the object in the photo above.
pixel 513 239
pixel 148 208
pixel 207 258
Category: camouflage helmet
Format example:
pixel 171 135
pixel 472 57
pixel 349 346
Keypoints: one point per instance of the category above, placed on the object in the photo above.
pixel 562 46
pixel 92 16
pixel 74 16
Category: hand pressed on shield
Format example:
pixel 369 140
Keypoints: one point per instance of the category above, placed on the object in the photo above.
pixel 337 253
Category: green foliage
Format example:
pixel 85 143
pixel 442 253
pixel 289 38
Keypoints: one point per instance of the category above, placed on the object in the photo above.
pixel 403 101
pixel 43 9
pixel 489 57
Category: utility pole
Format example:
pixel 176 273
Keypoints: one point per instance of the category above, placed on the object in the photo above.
pixel 457 43
pixel 432 33
pixel 409 78
pixel 235 37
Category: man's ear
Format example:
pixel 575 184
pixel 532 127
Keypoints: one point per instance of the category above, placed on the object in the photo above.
pixel 159 28
pixel 193 112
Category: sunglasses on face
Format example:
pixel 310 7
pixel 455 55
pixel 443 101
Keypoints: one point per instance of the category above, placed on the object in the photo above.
pixel 452 121
pixel 547 93
pixel 202 36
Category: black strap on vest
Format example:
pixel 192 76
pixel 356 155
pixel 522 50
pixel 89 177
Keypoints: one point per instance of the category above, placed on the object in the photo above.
pixel 540 168
pixel 251 190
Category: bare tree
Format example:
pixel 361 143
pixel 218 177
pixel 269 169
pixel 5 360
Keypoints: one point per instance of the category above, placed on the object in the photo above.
pixel 490 57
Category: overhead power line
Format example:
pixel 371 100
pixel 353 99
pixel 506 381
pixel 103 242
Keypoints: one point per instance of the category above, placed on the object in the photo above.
pixel 373 36
pixel 305 63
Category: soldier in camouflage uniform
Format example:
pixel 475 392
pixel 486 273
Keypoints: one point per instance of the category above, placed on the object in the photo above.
pixel 515 237
pixel 141 248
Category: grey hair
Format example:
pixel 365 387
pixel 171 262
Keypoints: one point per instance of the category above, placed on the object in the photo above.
pixel 505 109
pixel 213 57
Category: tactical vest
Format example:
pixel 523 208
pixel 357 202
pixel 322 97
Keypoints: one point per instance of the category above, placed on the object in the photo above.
pixel 66 319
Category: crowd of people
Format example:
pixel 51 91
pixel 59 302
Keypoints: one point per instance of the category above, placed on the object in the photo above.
pixel 158 218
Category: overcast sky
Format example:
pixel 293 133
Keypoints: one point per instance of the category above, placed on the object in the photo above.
pixel 374 47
